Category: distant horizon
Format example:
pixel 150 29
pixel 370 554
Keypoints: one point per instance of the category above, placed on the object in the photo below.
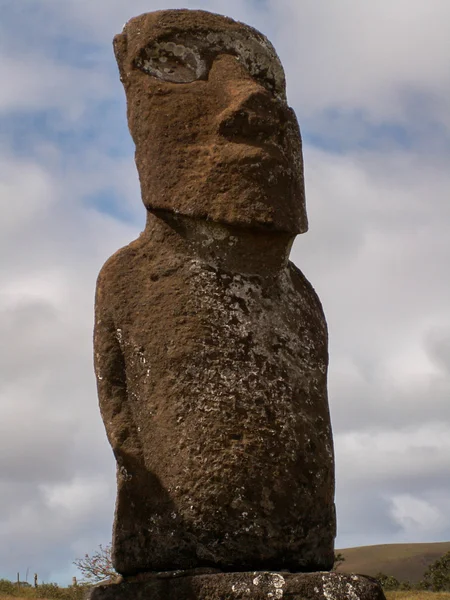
pixel 79 576
pixel 370 85
pixel 393 544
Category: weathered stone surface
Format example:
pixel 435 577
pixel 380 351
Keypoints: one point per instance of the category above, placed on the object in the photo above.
pixel 210 346
pixel 225 145
pixel 245 586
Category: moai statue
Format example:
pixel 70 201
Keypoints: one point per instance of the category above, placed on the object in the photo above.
pixel 210 346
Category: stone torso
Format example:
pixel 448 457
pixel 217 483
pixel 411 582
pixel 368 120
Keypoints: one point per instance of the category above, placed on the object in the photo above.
pixel 225 381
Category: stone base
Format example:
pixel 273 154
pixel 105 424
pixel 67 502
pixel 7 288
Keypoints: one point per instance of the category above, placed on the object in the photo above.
pixel 208 584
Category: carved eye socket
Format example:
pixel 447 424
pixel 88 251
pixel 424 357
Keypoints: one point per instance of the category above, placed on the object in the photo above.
pixel 260 74
pixel 172 62
pixel 179 63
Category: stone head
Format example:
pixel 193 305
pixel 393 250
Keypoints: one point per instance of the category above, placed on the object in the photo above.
pixel 207 110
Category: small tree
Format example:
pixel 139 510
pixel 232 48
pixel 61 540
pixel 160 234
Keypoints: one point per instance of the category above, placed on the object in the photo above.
pixel 98 567
pixel 388 582
pixel 339 558
pixel 437 577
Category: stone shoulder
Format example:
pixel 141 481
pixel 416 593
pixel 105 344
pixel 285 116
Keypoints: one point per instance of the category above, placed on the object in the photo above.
pixel 115 272
pixel 302 284
pixel 116 262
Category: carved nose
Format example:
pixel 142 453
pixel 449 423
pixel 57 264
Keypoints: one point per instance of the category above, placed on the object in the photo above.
pixel 251 122
pixel 252 112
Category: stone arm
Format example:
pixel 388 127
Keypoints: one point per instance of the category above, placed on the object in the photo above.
pixel 110 371
pixel 304 287
pixel 319 333
pixel 320 399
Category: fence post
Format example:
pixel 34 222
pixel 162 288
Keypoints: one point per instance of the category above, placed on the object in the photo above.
pixel 35 580
pixel 18 581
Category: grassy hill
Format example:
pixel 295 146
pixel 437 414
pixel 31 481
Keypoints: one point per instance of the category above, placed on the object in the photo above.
pixel 406 562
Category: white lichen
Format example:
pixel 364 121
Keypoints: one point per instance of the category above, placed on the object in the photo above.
pixel 274 582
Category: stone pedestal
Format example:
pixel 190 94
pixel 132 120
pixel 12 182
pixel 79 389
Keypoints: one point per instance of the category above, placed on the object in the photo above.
pixel 257 585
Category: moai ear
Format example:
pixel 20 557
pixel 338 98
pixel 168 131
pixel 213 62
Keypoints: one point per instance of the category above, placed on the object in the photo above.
pixel 120 51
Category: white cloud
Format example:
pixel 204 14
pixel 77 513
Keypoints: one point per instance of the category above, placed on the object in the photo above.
pixel 78 498
pixel 56 466
pixel 417 516
pixel 22 197
pixel 355 56
pixel 399 456
pixel 37 83
pixel 377 252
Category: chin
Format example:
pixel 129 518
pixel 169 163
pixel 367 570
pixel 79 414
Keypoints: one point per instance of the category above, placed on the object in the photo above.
pixel 254 189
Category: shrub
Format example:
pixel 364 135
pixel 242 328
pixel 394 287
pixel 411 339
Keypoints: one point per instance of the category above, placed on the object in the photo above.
pixel 388 582
pixel 405 586
pixel 50 591
pixel 7 587
pixel 437 577
pixel 339 558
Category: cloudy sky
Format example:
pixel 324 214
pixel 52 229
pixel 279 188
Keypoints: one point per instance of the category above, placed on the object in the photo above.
pixel 370 82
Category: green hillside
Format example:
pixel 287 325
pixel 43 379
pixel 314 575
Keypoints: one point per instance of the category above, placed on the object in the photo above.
pixel 406 562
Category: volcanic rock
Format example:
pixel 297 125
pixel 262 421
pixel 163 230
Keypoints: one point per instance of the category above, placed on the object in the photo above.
pixel 210 346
